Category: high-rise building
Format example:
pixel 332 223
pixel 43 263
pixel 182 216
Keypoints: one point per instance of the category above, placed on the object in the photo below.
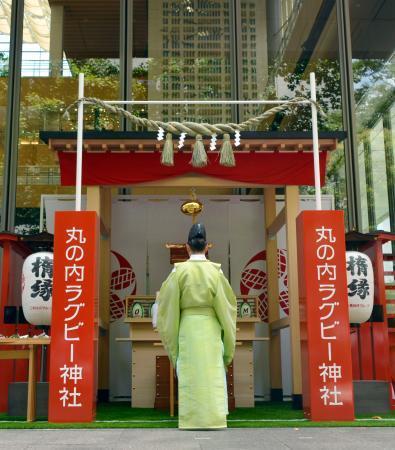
pixel 189 50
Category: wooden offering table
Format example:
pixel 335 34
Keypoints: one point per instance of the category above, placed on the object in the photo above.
pixel 147 346
pixel 30 354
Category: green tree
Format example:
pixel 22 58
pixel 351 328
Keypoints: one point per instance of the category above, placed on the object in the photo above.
pixel 3 64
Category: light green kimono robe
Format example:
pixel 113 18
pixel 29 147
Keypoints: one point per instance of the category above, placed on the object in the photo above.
pixel 197 324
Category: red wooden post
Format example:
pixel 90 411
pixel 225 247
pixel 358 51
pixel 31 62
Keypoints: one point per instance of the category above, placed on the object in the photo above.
pixel 325 330
pixel 356 370
pixel 10 370
pixel 379 330
pixel 6 365
pixel 73 370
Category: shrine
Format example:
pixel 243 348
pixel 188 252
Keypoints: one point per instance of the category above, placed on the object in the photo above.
pixel 107 155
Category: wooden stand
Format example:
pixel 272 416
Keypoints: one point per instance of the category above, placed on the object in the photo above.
pixel 29 354
pixel 147 349
pixel 166 385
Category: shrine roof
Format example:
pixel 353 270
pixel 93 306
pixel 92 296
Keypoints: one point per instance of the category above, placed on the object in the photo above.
pixel 130 141
pixel 121 158
pixel 32 242
pixel 16 244
pixel 356 237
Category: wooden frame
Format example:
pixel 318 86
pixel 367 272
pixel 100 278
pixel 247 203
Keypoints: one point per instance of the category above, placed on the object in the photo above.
pixel 29 354
pixel 273 223
pixel 291 213
pixel 93 145
pixel 97 199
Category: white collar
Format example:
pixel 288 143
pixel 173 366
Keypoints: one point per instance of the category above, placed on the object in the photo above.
pixel 198 257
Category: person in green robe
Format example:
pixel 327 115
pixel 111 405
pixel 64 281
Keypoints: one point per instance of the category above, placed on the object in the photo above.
pixel 197 323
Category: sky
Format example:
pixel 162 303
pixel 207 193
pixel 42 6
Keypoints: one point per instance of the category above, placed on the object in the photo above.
pixel 35 60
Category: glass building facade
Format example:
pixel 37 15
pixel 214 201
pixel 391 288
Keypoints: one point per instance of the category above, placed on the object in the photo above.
pixel 196 49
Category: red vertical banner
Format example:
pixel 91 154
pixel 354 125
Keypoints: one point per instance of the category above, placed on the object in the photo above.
pixel 73 358
pixel 325 329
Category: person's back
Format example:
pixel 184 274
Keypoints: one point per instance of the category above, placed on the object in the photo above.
pixel 198 280
pixel 197 323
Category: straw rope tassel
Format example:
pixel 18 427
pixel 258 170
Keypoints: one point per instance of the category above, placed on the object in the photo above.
pixel 227 157
pixel 167 157
pixel 199 155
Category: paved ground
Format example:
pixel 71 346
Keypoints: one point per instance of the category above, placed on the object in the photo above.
pixel 158 439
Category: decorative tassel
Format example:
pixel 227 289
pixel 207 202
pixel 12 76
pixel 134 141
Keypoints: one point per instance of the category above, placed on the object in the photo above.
pixel 167 158
pixel 227 157
pixel 199 155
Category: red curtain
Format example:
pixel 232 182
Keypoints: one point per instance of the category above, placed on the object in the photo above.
pixel 133 168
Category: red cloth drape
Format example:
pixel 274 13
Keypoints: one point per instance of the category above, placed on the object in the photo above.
pixel 132 168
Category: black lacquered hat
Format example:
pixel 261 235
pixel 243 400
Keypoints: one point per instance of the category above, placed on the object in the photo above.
pixel 197 232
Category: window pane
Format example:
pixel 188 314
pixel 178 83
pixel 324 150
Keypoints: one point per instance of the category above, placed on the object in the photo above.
pixel 373 44
pixel 282 42
pixel 59 41
pixel 4 56
pixel 182 51
pixel 295 38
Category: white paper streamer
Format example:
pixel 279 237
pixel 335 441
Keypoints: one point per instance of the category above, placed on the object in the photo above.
pixel 181 140
pixel 213 142
pixel 161 134
pixel 237 138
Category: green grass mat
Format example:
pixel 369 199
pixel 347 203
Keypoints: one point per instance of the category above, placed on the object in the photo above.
pixel 264 415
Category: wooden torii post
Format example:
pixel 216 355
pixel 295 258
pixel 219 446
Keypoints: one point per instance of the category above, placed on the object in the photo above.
pixel 99 200
pixel 274 222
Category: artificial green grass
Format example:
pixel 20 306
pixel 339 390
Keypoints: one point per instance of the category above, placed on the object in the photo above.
pixel 264 415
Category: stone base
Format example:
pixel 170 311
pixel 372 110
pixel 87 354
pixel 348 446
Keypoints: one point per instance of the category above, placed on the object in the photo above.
pixel 17 399
pixel 371 397
pixel 103 395
pixel 297 401
pixel 276 395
